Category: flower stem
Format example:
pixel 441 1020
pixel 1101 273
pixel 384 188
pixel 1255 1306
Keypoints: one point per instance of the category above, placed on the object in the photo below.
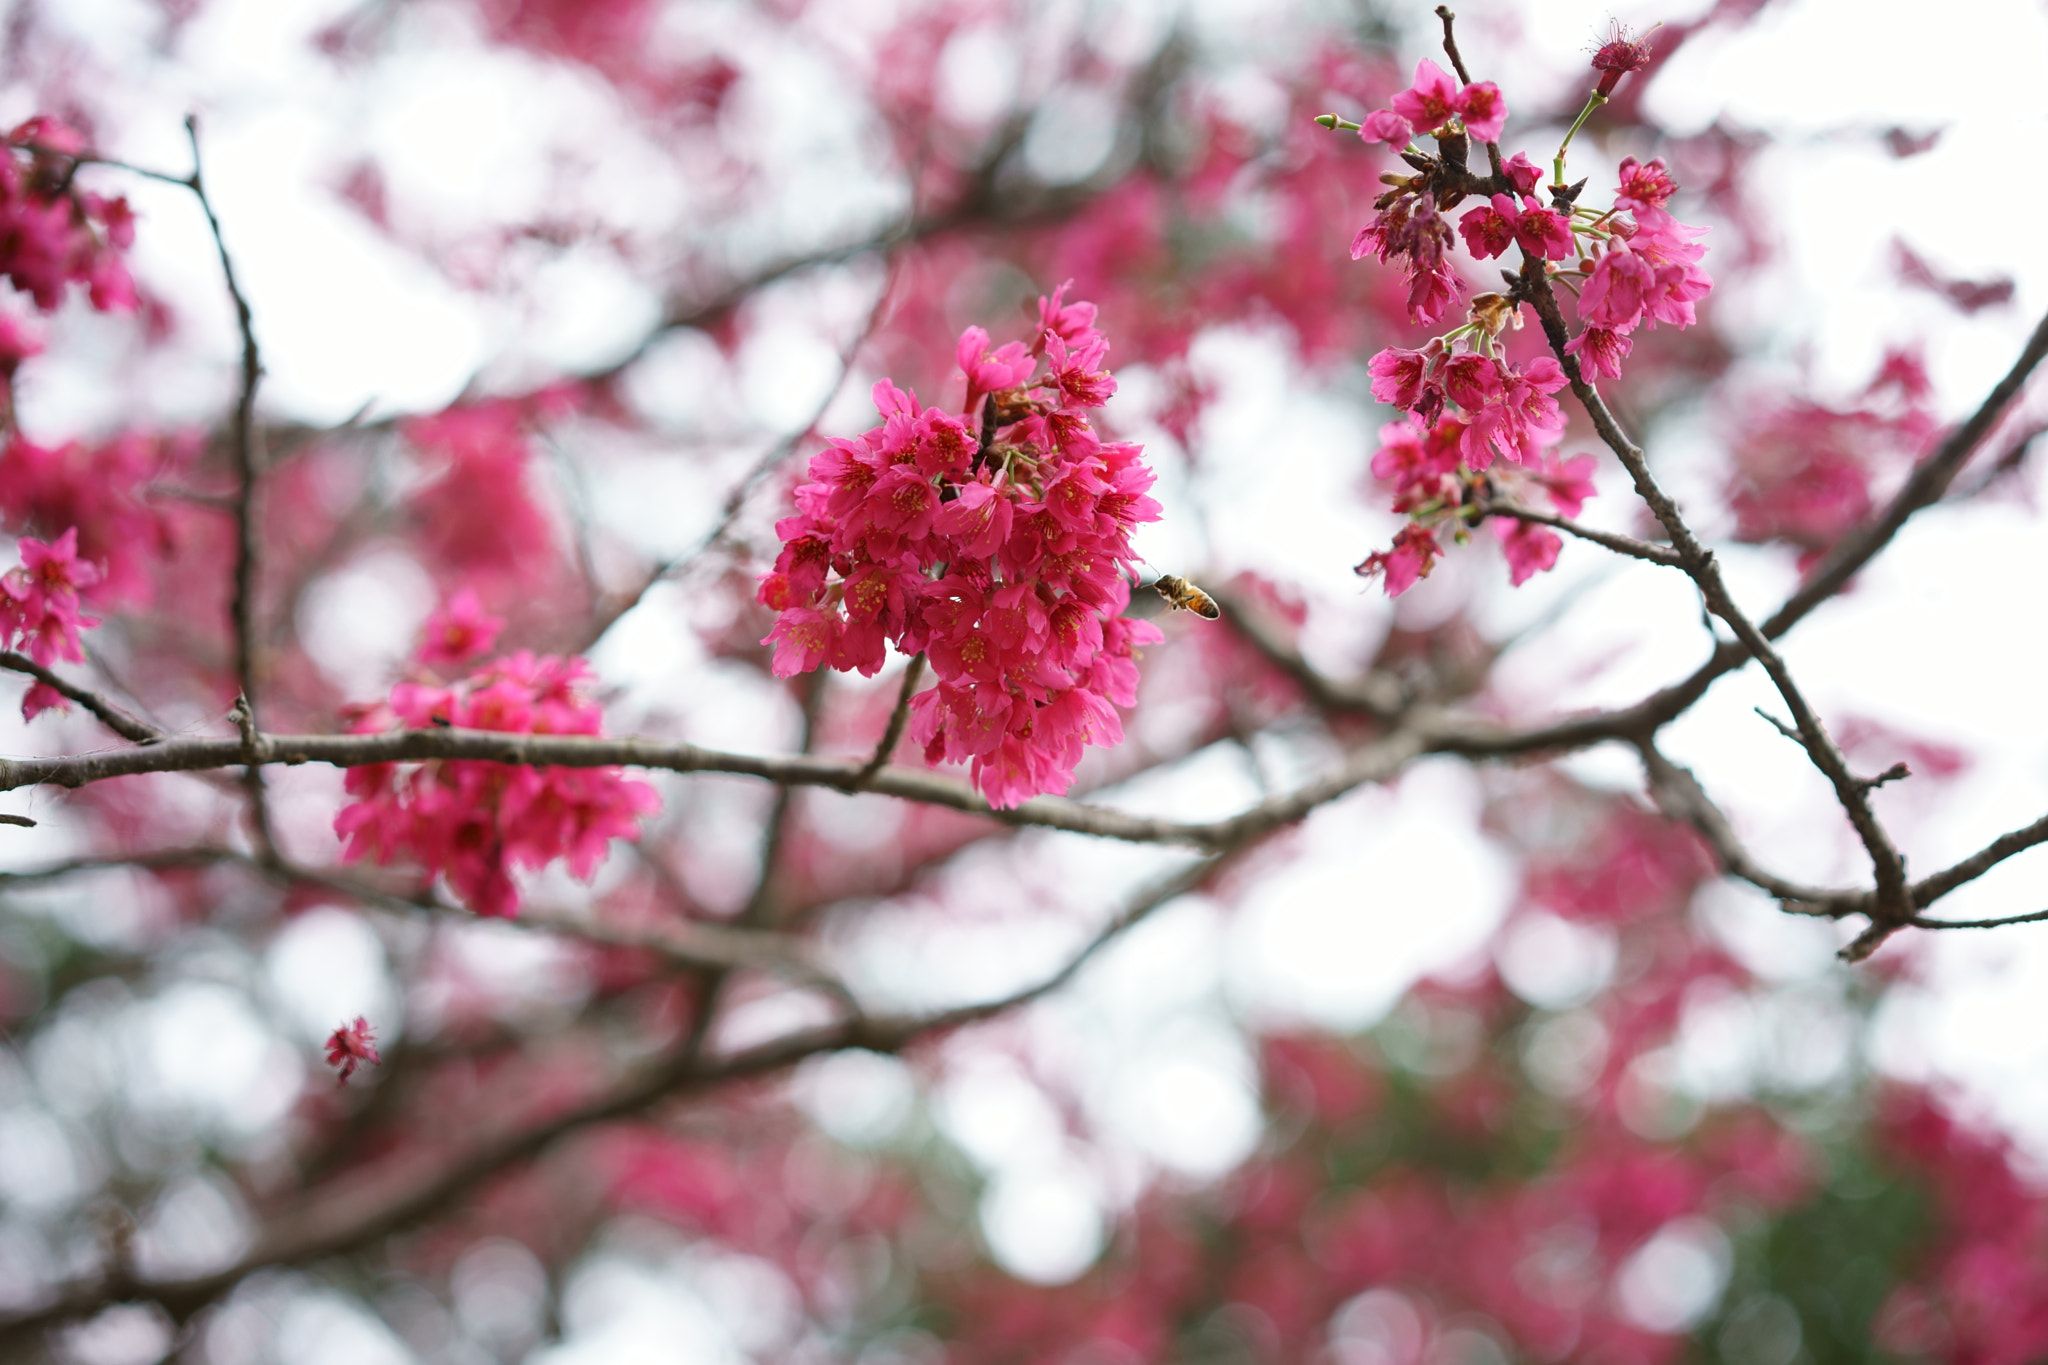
pixel 1593 101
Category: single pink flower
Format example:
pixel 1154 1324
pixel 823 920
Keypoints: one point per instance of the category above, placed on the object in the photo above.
pixel 350 1045
pixel 1614 295
pixel 1399 377
pixel 1483 110
pixel 1644 185
pixel 1489 229
pixel 42 697
pixel 1530 549
pixel 1431 292
pixel 1545 233
pixel 1619 54
pixel 1384 125
pixel 1414 554
pixel 1523 173
pixel 989 371
pixel 459 630
pixel 1569 483
pixel 1600 351
pixel 1430 102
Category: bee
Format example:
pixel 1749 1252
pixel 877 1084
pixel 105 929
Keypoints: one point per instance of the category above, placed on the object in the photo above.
pixel 1185 596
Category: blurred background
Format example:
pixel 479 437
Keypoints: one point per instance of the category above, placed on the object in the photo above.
pixel 555 299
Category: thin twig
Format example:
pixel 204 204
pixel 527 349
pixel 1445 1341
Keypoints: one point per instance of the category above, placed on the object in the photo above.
pixel 110 715
pixel 243 605
pixel 1918 923
pixel 1681 797
pixel 1620 544
pixel 898 717
pixel 1781 727
pixel 736 499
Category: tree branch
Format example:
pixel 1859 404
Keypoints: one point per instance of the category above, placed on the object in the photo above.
pixel 110 715
pixel 243 445
pixel 355 1210
pixel 912 676
pixel 1620 544
pixel 1892 906
pixel 1373 763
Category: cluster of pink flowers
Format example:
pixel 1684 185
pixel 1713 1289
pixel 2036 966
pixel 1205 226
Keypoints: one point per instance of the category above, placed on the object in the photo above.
pixel 1804 472
pixel 349 1046
pixel 1630 264
pixel 1409 226
pixel 1437 488
pixel 472 822
pixel 53 234
pixel 1005 558
pixel 40 613
pixel 101 491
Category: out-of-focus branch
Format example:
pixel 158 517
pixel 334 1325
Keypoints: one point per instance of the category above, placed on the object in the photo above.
pixel 1375 694
pixel 1679 795
pixel 1933 888
pixel 2035 918
pixel 355 1210
pixel 110 715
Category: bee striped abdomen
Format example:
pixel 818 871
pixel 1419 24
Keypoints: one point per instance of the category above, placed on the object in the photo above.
pixel 1185 596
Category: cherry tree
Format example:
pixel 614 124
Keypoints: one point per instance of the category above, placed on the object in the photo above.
pixel 755 806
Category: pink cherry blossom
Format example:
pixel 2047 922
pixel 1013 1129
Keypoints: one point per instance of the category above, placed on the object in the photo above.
pixel 54 234
pixel 459 630
pixel 1545 233
pixel 1414 554
pixel 1430 102
pixel 350 1045
pixel 1489 229
pixel 474 822
pixel 1384 125
pixel 1523 173
pixel 1600 351
pixel 1530 549
pixel 1009 573
pixel 1644 184
pixel 1483 110
pixel 1614 295
pixel 39 602
pixel 1400 377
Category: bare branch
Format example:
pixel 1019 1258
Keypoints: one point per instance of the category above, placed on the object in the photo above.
pixel 1931 889
pixel 1374 763
pixel 1918 923
pixel 1376 694
pixel 1681 797
pixel 1620 544
pixel 898 717
pixel 243 444
pixel 1892 905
